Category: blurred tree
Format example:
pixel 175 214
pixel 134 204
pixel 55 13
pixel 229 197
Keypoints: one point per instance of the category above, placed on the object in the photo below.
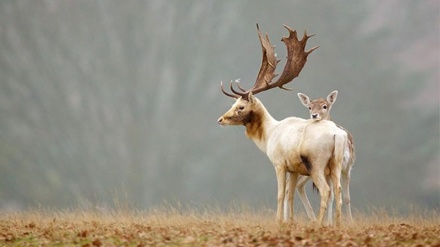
pixel 110 101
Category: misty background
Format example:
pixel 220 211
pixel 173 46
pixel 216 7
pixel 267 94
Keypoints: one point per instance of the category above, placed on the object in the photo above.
pixel 111 101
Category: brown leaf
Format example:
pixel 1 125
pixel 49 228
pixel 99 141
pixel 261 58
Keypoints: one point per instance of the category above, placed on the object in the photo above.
pixel 97 243
pixel 83 233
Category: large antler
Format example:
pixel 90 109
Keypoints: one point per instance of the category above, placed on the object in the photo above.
pixel 296 58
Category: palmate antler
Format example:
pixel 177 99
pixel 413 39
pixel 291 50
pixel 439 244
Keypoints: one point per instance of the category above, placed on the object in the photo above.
pixel 296 58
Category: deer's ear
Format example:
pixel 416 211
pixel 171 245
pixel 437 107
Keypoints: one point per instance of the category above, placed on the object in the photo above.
pixel 331 98
pixel 305 100
pixel 251 98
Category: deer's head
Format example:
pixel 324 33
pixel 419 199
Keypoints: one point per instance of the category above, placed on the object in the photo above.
pixel 243 108
pixel 241 111
pixel 319 108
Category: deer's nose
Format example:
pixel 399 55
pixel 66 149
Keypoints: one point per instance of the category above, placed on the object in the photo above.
pixel 220 120
pixel 315 115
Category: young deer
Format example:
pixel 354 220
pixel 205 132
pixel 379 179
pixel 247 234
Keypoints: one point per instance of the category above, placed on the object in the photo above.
pixel 294 145
pixel 320 110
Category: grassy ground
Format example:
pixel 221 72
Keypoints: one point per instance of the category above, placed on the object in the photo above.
pixel 172 227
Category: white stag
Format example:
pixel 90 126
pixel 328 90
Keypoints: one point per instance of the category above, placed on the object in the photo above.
pixel 293 145
pixel 320 109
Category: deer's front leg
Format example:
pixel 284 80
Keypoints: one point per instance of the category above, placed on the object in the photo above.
pixel 281 181
pixel 290 193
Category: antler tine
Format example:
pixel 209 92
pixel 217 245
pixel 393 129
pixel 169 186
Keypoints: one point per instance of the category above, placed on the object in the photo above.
pixel 304 40
pixel 296 59
pixel 311 50
pixel 267 69
pixel 239 87
pixel 236 92
pixel 296 56
pixel 226 93
pixel 268 63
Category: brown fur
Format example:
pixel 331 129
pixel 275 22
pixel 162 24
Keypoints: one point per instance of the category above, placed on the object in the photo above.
pixel 254 127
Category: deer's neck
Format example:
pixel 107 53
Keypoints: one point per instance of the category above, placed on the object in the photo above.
pixel 259 125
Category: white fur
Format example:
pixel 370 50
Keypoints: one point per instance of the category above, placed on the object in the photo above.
pixel 285 142
pixel 315 107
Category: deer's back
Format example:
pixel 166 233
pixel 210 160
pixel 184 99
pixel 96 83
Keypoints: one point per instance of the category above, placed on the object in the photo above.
pixel 295 138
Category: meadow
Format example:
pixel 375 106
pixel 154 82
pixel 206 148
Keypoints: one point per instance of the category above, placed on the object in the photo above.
pixel 210 227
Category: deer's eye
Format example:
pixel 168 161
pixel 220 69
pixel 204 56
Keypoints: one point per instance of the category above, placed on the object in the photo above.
pixel 325 107
pixel 241 107
pixel 310 108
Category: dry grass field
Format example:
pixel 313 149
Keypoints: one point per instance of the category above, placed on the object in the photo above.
pixel 173 227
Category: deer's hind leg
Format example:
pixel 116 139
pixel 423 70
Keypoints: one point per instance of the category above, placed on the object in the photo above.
pixel 346 192
pixel 324 190
pixel 302 181
pixel 336 181
pixel 330 202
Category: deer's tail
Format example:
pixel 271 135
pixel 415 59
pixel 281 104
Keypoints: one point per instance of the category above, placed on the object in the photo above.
pixel 339 149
